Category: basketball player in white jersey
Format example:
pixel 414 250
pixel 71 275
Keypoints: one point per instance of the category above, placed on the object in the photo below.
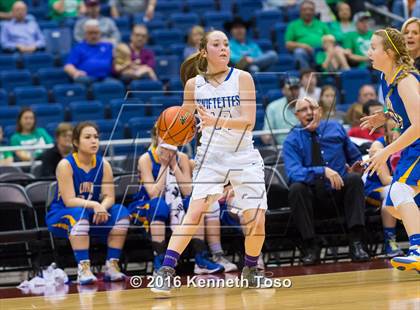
pixel 225 100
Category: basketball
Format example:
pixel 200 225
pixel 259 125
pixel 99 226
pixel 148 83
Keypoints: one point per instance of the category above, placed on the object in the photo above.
pixel 176 126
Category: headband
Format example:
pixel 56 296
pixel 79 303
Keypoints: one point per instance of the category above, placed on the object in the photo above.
pixel 168 146
pixel 390 40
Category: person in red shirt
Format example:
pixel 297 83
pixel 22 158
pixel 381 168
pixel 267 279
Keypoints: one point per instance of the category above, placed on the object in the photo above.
pixel 371 107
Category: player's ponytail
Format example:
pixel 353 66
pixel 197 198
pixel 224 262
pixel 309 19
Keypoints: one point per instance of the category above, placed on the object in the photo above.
pixel 196 63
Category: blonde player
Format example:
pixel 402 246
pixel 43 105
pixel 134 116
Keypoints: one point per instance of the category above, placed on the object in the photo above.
pixel 225 100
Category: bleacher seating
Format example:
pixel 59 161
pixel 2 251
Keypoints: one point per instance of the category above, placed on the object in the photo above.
pixel 14 78
pixel 106 91
pixel 27 95
pixel 47 113
pixel 33 62
pixel 351 81
pixel 8 115
pixel 86 110
pixel 48 77
pixel 4 98
pixel 66 93
pixel 122 110
pixel 9 62
pixel 145 89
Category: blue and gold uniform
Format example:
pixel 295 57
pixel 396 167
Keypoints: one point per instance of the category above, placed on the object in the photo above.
pixel 408 168
pixel 373 184
pixel 143 209
pixel 87 185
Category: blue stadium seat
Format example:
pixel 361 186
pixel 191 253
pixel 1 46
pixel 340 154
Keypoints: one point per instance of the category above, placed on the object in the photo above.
pixel 265 82
pixel 176 49
pixel 122 110
pixel 123 23
pixel 140 127
pixel 167 37
pixel 145 89
pixel 175 87
pixel 160 103
pixel 286 62
pixel 167 67
pixel 27 95
pixel 106 91
pixel 351 81
pixel 8 115
pixel 58 41
pixel 125 36
pixel 110 129
pixel 13 78
pixel 156 24
pixel 36 61
pixel 66 93
pixel 8 62
pixel 48 113
pixel 8 131
pixel 86 110
pixel 292 12
pixel 265 44
pixel 4 98
pixel 48 24
pixel 265 20
pixel 259 119
pixel 273 94
pixel 184 21
pixel 168 7
pixel 247 8
pixel 157 49
pixel 279 32
pixel 138 18
pixel 217 19
pixel 227 5
pixel 49 77
pixel 200 6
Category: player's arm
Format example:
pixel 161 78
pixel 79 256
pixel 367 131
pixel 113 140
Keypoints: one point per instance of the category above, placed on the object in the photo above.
pixel 153 187
pixel 247 108
pixel 383 172
pixel 183 173
pixel 107 188
pixel 64 175
pixel 408 88
pixel 189 101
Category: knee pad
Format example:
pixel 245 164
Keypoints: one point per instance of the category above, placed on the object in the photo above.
pixel 122 224
pixel 213 212
pixel 158 210
pixel 401 193
pixel 81 228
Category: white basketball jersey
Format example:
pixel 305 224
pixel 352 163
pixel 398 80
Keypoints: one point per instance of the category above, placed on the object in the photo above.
pixel 223 101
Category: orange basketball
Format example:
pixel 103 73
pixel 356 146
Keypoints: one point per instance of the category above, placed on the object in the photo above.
pixel 176 126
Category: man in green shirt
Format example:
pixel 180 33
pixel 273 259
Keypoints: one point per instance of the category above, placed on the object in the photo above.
pixel 357 42
pixel 305 34
pixel 61 9
pixel 6 8
pixel 280 113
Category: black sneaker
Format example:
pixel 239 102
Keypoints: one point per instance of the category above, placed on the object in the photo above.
pixel 163 281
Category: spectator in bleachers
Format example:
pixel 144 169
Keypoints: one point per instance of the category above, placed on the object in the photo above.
pixel 344 24
pixel 62 147
pixel 6 8
pixel 333 57
pixel 355 112
pixel 245 53
pixel 90 60
pixel 327 102
pixel 27 134
pixel 22 32
pixel 193 43
pixel 142 57
pixel 411 31
pixel 130 7
pixel 357 42
pixel 62 9
pixel 304 35
pixel 317 155
pixel 377 188
pixel 126 68
pixel 109 30
pixel 279 114
pixel 6 158
pixel 371 107
pixel 84 205
pixel 308 84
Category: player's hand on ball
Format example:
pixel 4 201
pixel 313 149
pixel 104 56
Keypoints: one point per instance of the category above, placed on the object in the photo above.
pixel 206 119
pixel 373 121
pixel 376 161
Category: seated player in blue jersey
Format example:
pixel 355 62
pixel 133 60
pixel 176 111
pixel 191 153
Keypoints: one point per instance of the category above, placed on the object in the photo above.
pixel 84 205
pixel 377 188
pixel 165 189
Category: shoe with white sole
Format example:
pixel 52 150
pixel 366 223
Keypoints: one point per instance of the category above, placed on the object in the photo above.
pixel 223 261
pixel 203 265
pixel 409 262
pixel 84 274
pixel 112 271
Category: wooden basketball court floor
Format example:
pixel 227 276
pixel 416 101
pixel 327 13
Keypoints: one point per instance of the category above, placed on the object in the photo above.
pixel 322 287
